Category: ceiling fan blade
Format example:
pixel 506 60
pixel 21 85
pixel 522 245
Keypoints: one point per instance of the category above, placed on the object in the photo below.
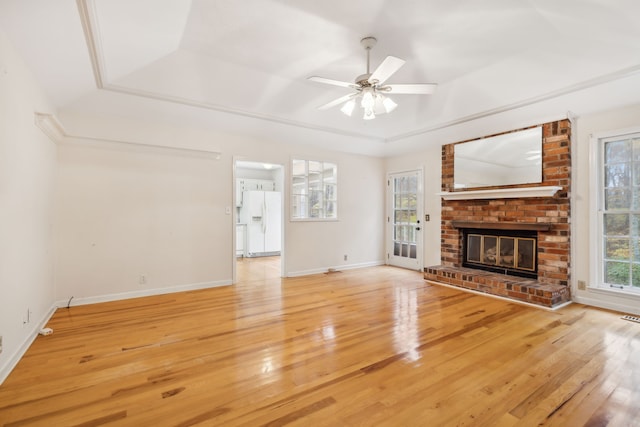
pixel 338 101
pixel 409 89
pixel 331 82
pixel 390 65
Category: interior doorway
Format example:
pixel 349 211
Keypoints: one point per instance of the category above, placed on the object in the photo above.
pixel 259 220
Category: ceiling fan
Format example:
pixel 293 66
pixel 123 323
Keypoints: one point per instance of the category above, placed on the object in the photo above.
pixel 370 88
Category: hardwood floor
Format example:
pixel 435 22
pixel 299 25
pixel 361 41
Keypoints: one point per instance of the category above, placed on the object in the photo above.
pixel 370 347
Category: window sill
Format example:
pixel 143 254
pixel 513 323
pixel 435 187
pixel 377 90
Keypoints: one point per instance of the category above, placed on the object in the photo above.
pixel 313 220
pixel 622 293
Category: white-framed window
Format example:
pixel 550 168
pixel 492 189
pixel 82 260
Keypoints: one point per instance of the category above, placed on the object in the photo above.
pixel 617 204
pixel 314 190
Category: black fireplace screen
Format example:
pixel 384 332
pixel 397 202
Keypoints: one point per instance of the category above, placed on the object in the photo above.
pixel 503 253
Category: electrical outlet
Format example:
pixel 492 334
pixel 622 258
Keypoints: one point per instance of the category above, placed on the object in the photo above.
pixel 345 257
pixel 427 217
pixel 582 285
pixel 143 279
pixel 0 343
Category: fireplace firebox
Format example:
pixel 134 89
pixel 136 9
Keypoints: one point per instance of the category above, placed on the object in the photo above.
pixel 503 251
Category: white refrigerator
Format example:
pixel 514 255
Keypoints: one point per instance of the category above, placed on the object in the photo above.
pixel 262 212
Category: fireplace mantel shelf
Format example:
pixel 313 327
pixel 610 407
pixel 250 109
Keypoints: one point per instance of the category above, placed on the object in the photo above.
pixel 537 226
pixel 501 193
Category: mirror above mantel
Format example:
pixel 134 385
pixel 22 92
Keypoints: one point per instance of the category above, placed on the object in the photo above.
pixel 507 159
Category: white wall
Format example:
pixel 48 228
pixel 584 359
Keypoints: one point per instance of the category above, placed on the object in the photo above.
pixel 359 231
pixel 581 236
pixel 27 171
pixel 431 160
pixel 123 211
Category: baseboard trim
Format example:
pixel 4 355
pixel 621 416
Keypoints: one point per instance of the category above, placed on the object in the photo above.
pixel 337 268
pixel 20 352
pixel 607 305
pixel 142 293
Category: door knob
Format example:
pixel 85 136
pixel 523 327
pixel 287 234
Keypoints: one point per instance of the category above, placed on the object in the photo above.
pixel 417 228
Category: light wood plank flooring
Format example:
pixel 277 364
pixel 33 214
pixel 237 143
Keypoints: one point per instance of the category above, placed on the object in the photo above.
pixel 370 347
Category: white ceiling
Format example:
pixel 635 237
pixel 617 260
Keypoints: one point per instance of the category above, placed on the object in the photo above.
pixel 242 66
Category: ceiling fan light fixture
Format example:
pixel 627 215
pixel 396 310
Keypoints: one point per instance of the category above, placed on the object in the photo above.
pixel 368 100
pixel 389 104
pixel 369 115
pixel 370 87
pixel 348 107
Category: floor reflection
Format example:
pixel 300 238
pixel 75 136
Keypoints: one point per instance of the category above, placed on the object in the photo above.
pixel 405 329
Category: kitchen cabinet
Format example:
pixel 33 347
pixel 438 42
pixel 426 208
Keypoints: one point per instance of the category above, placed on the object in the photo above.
pixel 249 184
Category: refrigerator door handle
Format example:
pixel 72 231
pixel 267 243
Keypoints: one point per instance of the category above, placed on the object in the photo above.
pixel 264 216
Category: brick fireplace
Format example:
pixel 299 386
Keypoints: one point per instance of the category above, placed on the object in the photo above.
pixel 547 219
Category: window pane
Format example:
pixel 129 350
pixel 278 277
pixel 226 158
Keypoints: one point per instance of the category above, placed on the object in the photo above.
pixel 616 273
pixel 400 216
pixel 299 185
pixel 412 251
pixel 635 249
pixel 299 206
pixel 635 225
pixel 411 234
pixel 616 224
pixel 330 210
pixel 635 275
pixel 405 250
pixel 636 149
pixel 412 201
pixel 412 184
pixel 299 167
pixel 617 248
pixel 315 204
pixel 397 201
pixel 617 198
pixel 617 151
pixel 617 175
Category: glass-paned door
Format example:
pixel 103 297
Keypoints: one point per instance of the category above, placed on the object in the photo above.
pixel 404 220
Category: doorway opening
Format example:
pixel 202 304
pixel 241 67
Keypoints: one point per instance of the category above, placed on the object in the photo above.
pixel 404 214
pixel 259 214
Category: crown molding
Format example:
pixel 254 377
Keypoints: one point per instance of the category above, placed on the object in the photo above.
pixel 86 9
pixel 50 126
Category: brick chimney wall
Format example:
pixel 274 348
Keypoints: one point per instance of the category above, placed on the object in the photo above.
pixel 553 245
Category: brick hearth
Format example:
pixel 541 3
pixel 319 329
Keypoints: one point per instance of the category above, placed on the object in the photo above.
pixel 552 285
pixel 517 288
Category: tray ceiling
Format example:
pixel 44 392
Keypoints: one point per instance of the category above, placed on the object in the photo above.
pixel 244 65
